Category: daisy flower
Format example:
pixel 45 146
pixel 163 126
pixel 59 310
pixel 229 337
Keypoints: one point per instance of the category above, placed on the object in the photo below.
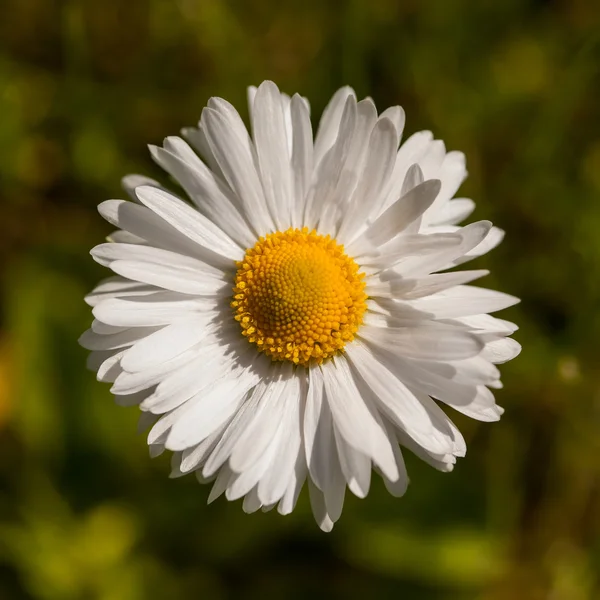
pixel 292 315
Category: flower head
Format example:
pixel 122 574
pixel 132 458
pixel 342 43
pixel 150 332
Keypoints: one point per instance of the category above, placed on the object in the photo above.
pixel 295 318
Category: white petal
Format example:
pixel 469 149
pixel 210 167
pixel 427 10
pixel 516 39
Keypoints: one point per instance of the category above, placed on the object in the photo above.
pixel 494 237
pixel 239 424
pixel 171 277
pixel 464 300
pixel 321 207
pixel 212 409
pixel 407 245
pixel 471 235
pixel 288 502
pixel 196 378
pixel 189 222
pixel 161 429
pixel 414 177
pixel 142 222
pixel 273 484
pixel 327 131
pixel 231 434
pixel 132 313
pixel 105 254
pixel 403 212
pixel 474 401
pixel 128 383
pixel 251 502
pixel 104 329
pixel 113 287
pixel 414 148
pixel 480 405
pixel 95 341
pixel 130 182
pixel 250 95
pixel 429 343
pixel 302 157
pixel 444 429
pixel 124 237
pixel 343 197
pixel 318 432
pixel 317 503
pixel 321 452
pixel 234 153
pixel 393 376
pixel 489 323
pixel 409 154
pixel 395 399
pixel 195 457
pixel 335 492
pixel 378 166
pixel 220 485
pixel 471 371
pixel 442 462
pixel 208 192
pixel 155 450
pixel 244 481
pixel 267 419
pixel 432 159
pixel 397 116
pixel 354 417
pixel 501 351
pixel 437 282
pixel 197 138
pixel 286 102
pixel 450 169
pixel 110 368
pixel 175 466
pixel 454 212
pixel 270 140
pixel 356 466
pixel 396 488
pixel 165 344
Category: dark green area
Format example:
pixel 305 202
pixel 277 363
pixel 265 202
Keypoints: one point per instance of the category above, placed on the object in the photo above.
pixel 84 86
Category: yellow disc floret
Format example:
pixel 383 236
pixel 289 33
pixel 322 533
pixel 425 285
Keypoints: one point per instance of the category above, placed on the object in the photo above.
pixel 298 297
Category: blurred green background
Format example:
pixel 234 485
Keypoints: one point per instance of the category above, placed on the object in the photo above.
pixel 85 85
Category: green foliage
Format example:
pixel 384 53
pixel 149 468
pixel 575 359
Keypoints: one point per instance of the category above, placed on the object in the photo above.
pixel 84 86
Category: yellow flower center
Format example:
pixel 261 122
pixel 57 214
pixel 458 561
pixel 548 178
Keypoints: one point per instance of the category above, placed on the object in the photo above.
pixel 298 297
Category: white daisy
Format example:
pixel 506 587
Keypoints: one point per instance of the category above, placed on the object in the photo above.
pixel 294 319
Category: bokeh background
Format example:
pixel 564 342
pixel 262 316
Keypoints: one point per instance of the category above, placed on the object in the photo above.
pixel 85 85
